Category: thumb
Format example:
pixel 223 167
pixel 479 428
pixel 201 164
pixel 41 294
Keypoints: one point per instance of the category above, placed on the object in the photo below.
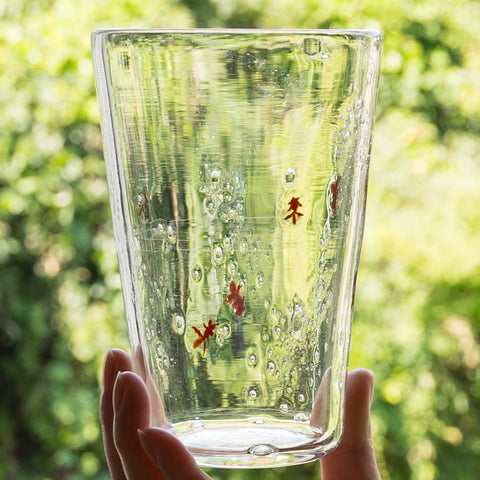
pixel 355 456
pixel 170 456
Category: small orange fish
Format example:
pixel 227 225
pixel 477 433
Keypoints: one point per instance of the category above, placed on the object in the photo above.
pixel 294 205
pixel 334 189
pixel 237 301
pixel 204 337
pixel 142 203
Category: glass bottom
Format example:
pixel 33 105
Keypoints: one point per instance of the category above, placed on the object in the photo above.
pixel 253 443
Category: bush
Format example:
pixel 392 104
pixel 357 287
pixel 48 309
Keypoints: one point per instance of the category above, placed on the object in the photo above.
pixel 417 320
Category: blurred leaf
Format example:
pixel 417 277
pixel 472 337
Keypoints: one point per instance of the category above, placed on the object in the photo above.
pixel 417 322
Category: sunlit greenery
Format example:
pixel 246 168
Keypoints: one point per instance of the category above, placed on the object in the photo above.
pixel 417 322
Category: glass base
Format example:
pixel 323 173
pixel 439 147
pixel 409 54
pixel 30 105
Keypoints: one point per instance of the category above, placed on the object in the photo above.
pixel 253 443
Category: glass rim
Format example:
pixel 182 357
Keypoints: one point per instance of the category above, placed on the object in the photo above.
pixel 241 31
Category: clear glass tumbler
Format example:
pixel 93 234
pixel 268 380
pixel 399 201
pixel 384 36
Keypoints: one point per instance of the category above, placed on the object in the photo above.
pixel 237 163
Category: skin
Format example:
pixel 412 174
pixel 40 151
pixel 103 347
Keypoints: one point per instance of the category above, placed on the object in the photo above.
pixel 135 451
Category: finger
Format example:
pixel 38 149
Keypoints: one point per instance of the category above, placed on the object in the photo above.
pixel 359 396
pixel 320 411
pixel 131 413
pixel 138 360
pixel 115 361
pixel 158 417
pixel 355 456
pixel 170 455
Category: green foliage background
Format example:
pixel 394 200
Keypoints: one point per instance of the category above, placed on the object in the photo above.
pixel 417 321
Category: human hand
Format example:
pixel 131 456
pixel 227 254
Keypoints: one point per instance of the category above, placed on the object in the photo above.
pixel 134 451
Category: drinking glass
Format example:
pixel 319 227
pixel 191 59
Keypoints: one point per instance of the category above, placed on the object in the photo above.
pixel 237 164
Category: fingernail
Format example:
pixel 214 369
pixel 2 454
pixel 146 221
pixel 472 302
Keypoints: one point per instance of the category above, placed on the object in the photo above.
pixel 109 357
pixel 118 392
pixel 371 385
pixel 109 368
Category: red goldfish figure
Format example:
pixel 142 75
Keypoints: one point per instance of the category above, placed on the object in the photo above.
pixel 237 301
pixel 204 337
pixel 294 205
pixel 334 189
pixel 142 203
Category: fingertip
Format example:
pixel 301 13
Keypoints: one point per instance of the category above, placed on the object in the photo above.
pixel 130 396
pixel 116 360
pixel 355 456
pixel 362 382
pixel 131 412
pixel 109 369
pixel 169 455
pixel 358 398
pixel 122 359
